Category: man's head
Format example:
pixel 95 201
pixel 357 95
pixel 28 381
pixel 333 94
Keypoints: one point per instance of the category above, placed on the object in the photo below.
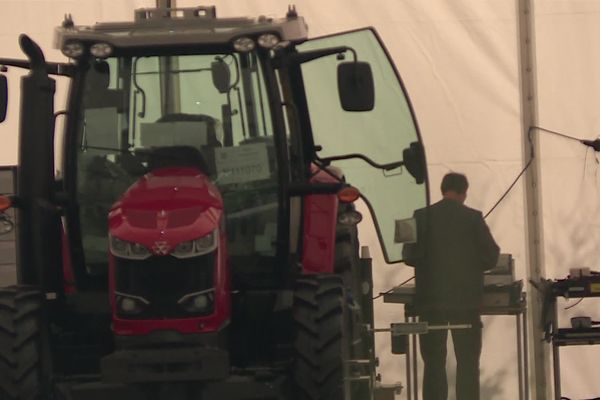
pixel 454 186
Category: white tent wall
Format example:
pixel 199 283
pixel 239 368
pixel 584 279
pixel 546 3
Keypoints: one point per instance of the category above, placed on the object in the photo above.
pixel 458 60
pixel 568 51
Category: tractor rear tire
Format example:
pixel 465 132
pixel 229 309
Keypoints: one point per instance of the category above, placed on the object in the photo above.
pixel 20 368
pixel 320 344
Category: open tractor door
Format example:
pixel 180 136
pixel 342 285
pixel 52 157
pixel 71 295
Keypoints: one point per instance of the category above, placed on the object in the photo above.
pixel 200 241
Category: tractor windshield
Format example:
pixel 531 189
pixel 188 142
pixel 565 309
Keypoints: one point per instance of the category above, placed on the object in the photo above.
pixel 380 135
pixel 135 108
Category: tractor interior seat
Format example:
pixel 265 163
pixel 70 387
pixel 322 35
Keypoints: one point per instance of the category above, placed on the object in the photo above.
pixel 176 156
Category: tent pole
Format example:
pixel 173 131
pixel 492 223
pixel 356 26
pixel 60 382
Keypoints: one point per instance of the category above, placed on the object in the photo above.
pixel 540 354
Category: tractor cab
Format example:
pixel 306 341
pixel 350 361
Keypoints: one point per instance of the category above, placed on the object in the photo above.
pixel 258 109
pixel 210 168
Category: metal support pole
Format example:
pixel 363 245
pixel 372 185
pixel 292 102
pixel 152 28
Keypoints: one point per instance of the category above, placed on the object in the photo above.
pixel 166 3
pixel 409 354
pixel 415 352
pixel 556 354
pixel 535 265
pixel 169 81
pixel 520 356
pixel 525 354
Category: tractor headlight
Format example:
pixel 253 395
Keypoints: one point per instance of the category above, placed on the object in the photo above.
pixel 129 250
pixel 198 302
pixel 268 40
pixel 101 50
pixel 73 49
pixel 129 304
pixel 244 44
pixel 197 247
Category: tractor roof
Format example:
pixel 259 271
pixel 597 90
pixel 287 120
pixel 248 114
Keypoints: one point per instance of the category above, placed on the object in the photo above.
pixel 181 27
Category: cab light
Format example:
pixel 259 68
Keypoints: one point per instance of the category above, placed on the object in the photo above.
pixel 244 44
pixel 73 49
pixel 101 50
pixel 348 194
pixel 268 40
pixel 5 203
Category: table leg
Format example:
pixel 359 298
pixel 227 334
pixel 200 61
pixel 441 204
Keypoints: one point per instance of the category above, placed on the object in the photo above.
pixel 555 356
pixel 408 365
pixel 415 365
pixel 520 357
pixel 525 354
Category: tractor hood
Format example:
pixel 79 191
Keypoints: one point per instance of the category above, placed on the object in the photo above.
pixel 166 207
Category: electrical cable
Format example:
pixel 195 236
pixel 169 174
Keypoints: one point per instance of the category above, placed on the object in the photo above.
pixel 539 128
pixel 510 187
pixel 392 289
pixel 573 305
pixel 568 398
pixel 595 144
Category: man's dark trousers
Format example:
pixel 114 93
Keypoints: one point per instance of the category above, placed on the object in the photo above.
pixel 467 348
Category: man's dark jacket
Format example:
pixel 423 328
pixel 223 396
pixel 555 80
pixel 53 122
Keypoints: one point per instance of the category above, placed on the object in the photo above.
pixel 454 247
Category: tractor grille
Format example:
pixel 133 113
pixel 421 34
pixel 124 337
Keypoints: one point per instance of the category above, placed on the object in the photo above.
pixel 162 281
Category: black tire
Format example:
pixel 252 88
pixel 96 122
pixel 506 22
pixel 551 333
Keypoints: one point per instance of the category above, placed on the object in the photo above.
pixel 20 368
pixel 318 371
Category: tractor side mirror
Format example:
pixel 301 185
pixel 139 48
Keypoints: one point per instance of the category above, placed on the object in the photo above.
pixel 355 86
pixel 3 97
pixel 221 76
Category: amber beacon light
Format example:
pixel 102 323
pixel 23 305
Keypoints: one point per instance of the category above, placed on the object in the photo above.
pixel 348 194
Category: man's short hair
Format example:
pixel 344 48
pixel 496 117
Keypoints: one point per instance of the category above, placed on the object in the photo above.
pixel 455 182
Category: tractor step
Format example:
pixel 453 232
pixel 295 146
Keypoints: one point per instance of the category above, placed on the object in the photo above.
pixel 165 365
pixel 232 388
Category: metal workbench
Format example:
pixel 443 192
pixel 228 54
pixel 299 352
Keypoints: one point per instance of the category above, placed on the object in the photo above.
pixel 491 306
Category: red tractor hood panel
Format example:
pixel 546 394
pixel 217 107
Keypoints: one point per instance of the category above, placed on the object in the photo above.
pixel 169 205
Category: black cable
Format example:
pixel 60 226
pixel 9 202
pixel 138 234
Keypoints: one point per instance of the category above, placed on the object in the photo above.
pixel 539 128
pixel 510 187
pixel 573 305
pixel 392 289
pixel 531 157
pixel 595 144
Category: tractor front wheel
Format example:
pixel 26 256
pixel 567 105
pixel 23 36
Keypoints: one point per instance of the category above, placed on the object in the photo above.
pixel 20 370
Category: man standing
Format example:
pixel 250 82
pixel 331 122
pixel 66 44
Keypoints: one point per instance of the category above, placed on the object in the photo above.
pixel 454 247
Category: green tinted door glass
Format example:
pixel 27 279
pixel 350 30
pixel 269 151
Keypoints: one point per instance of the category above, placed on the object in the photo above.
pixel 380 134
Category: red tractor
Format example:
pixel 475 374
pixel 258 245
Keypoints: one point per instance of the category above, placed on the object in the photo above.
pixel 199 240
